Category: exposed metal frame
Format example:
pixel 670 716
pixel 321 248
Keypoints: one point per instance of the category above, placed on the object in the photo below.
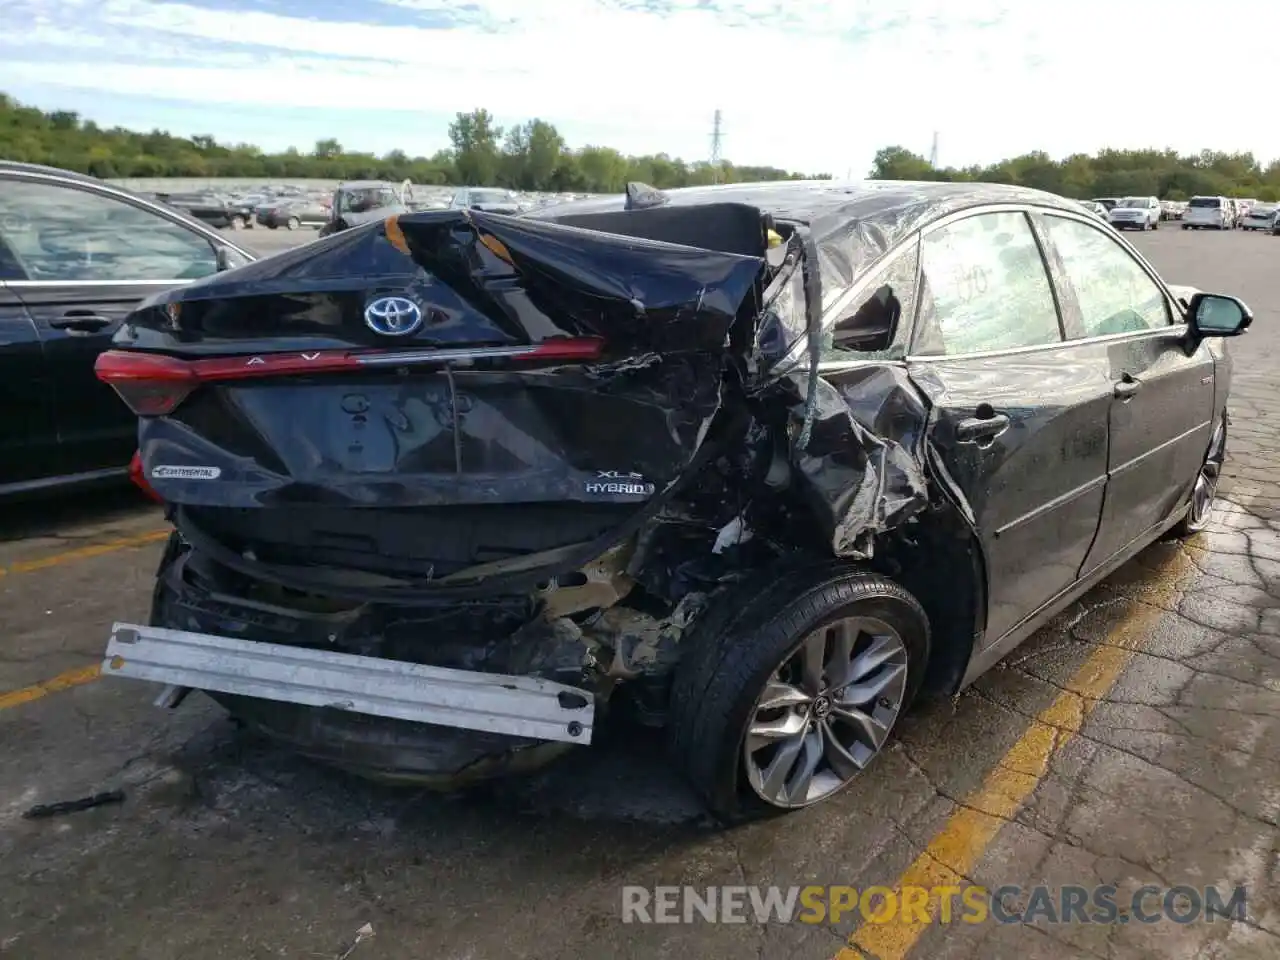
pixel 489 702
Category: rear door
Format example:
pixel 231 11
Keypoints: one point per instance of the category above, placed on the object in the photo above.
pixel 88 256
pixel 1162 406
pixel 1019 419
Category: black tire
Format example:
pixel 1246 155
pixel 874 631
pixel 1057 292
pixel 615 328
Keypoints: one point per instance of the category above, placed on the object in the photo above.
pixel 1193 523
pixel 1186 226
pixel 734 648
pixel 172 548
pixel 1155 224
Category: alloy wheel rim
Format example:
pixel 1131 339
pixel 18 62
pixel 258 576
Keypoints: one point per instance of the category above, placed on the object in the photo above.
pixel 825 712
pixel 1206 488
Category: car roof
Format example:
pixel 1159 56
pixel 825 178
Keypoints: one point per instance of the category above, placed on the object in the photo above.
pixel 808 201
pixel 361 184
pixel 853 223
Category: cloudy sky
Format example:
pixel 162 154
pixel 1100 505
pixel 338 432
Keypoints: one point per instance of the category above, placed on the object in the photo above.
pixel 811 85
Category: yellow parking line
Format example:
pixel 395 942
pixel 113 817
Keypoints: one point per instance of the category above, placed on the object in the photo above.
pixel 84 553
pixel 956 849
pixel 63 681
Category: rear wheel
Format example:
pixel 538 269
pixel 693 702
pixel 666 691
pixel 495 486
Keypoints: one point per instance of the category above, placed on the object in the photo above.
pixel 1205 490
pixel 292 223
pixel 789 689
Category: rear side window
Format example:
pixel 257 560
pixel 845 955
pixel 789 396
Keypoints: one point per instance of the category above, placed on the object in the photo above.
pixel 983 287
pixel 1115 294
pixel 887 302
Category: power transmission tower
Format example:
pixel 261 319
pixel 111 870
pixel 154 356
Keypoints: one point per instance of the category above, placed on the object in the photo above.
pixel 717 136
pixel 933 152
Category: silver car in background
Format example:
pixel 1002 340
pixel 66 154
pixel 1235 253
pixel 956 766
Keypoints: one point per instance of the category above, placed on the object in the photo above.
pixel 1212 213
pixel 1260 216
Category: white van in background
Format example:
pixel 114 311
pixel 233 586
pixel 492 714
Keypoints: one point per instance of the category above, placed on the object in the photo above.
pixel 1213 213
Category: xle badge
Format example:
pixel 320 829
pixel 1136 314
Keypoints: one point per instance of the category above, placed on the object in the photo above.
pixel 612 482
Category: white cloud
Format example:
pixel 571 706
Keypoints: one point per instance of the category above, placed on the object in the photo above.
pixel 807 84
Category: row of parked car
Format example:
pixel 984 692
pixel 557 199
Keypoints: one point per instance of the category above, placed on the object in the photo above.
pixel 1228 213
pixel 294 207
pixel 1198 213
pixel 290 207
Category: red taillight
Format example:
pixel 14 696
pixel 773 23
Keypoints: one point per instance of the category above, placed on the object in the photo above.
pixel 139 477
pixel 153 385
pixel 150 384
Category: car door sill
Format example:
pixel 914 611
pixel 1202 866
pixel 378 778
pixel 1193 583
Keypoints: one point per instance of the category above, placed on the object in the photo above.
pixel 63 480
pixel 982 660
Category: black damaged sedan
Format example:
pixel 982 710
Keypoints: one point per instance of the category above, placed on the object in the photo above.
pixel 760 462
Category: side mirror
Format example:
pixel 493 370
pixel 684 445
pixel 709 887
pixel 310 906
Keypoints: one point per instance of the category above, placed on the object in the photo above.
pixel 1216 315
pixel 873 326
pixel 228 259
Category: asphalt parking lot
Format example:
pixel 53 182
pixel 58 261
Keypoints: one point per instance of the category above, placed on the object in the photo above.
pixel 1134 741
pixel 264 241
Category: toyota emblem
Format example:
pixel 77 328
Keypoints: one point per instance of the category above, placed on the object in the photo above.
pixel 393 316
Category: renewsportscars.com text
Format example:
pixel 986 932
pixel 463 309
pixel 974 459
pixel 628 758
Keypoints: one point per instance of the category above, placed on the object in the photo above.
pixel 946 904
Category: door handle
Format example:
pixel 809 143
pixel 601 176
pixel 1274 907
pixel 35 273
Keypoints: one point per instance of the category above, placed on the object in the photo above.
pixel 80 321
pixel 1126 387
pixel 974 429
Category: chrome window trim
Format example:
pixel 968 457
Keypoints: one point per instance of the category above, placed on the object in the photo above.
pixel 64 284
pixel 1172 333
pixel 103 188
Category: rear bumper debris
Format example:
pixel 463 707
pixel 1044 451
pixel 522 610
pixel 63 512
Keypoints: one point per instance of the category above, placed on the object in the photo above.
pixel 525 707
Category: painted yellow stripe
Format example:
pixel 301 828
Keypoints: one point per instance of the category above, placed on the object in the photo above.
pixel 956 849
pixel 63 681
pixel 84 553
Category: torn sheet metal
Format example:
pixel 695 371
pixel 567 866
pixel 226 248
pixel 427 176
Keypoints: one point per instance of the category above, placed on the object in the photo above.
pixel 479 279
pixel 862 468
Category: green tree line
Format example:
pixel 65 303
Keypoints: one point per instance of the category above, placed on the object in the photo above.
pixel 534 156
pixel 530 156
pixel 1112 173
